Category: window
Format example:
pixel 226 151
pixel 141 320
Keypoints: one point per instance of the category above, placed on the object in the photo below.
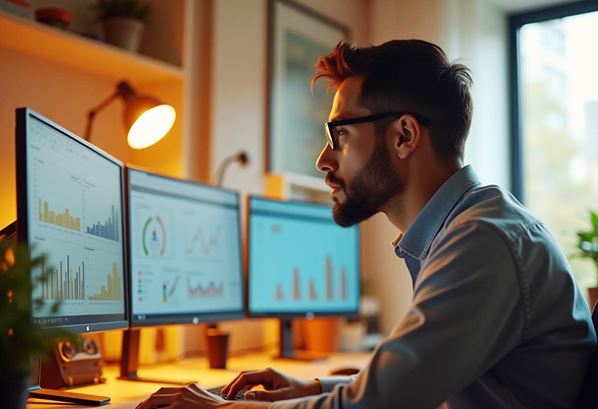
pixel 555 121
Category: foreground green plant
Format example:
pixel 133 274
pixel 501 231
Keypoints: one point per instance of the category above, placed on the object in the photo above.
pixel 20 338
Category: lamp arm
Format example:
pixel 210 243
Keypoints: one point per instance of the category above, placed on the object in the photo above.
pixel 219 174
pixel 240 157
pixel 92 113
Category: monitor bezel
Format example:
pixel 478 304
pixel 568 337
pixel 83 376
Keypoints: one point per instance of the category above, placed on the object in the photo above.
pixel 190 318
pixel 293 314
pixel 22 115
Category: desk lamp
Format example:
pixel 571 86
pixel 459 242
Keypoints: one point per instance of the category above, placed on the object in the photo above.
pixel 146 118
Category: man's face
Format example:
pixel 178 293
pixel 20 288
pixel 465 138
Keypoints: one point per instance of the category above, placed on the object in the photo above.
pixel 359 172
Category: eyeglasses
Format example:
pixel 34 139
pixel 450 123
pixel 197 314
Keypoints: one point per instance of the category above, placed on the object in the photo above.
pixel 332 137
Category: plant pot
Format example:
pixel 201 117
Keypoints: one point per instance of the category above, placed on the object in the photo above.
pixel 323 334
pixel 592 296
pixel 13 393
pixel 123 32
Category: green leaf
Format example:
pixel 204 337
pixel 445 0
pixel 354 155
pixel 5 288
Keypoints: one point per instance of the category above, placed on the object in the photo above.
pixel 27 339
pixel 594 218
pixel 585 236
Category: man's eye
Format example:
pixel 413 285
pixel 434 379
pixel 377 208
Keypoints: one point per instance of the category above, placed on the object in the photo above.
pixel 339 132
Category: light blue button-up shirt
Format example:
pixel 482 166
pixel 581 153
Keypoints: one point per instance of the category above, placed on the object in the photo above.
pixel 496 320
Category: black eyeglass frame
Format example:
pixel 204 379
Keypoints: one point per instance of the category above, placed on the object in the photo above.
pixel 330 125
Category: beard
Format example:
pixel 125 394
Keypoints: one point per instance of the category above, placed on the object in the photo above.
pixel 369 190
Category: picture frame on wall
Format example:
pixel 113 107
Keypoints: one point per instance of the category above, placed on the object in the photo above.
pixel 297 36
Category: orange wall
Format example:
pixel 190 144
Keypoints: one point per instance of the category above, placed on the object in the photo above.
pixel 64 95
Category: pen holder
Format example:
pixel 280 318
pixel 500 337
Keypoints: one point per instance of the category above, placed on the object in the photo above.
pixel 217 341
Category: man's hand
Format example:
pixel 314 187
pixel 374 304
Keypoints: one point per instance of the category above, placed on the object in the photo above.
pixel 278 386
pixel 193 397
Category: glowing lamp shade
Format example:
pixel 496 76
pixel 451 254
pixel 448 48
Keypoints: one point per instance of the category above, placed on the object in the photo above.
pixel 148 126
pixel 146 119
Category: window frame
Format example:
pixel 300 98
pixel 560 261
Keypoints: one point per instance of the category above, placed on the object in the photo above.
pixel 515 22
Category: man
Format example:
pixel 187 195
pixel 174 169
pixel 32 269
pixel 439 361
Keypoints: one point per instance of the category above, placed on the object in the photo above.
pixel 496 320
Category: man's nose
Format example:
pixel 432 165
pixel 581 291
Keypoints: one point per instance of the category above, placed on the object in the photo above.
pixel 326 162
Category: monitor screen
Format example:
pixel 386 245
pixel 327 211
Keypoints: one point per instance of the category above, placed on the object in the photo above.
pixel 301 262
pixel 70 207
pixel 185 251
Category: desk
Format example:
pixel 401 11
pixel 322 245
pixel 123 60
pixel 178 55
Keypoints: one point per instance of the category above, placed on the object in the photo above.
pixel 126 394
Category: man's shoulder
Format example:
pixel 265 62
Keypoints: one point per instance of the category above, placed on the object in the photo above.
pixel 494 207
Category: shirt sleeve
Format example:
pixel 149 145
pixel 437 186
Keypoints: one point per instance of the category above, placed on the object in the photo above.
pixel 328 383
pixel 466 314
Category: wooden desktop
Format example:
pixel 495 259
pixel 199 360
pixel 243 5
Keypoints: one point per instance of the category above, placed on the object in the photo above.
pixel 127 394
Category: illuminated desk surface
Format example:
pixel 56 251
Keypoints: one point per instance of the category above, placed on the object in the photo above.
pixel 126 394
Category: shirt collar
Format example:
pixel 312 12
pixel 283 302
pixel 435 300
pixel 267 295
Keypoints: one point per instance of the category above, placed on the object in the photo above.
pixel 419 236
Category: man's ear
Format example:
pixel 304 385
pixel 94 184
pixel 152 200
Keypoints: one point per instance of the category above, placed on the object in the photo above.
pixel 406 135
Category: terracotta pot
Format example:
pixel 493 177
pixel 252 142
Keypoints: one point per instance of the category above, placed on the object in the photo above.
pixel 123 32
pixel 323 334
pixel 592 296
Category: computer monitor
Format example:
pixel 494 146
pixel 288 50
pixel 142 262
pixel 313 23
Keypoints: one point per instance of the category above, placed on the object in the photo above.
pixel 300 262
pixel 70 201
pixel 185 254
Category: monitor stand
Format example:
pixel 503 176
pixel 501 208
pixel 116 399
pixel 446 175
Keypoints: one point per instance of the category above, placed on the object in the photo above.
pixel 35 391
pixel 288 351
pixel 129 362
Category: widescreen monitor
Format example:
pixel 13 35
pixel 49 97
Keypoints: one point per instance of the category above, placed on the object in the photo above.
pixel 70 198
pixel 301 263
pixel 185 251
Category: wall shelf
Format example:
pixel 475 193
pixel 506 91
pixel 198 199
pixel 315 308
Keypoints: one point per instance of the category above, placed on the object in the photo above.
pixel 69 49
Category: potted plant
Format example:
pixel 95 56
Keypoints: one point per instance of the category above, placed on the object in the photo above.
pixel 588 248
pixel 122 21
pixel 20 339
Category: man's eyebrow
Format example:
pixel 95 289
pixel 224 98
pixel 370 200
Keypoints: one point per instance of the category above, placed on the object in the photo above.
pixel 343 115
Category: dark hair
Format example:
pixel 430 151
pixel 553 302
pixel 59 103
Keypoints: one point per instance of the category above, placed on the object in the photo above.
pixel 408 75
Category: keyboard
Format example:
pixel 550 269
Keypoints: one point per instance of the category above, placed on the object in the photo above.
pixel 217 389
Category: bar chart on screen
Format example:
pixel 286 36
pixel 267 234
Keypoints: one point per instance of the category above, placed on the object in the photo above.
pixel 108 229
pixel 76 221
pixel 324 288
pixel 309 268
pixel 111 289
pixel 63 218
pixel 64 282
